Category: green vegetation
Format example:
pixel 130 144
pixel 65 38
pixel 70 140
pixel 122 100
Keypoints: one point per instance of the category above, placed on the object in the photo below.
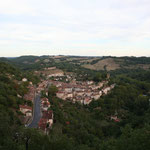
pixel 52 90
pixel 78 127
pixel 11 135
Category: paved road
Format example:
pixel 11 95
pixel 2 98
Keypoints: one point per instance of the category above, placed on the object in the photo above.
pixel 37 113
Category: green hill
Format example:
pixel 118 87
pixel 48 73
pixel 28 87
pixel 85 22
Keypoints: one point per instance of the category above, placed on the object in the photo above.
pixel 93 63
pixel 78 127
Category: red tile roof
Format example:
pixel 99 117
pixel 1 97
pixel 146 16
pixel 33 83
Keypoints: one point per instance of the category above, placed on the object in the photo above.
pixel 117 120
pixel 44 99
pixel 42 123
pixel 48 114
pixel 25 107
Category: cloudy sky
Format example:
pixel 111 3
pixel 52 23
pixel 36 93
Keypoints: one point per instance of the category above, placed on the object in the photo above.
pixel 75 27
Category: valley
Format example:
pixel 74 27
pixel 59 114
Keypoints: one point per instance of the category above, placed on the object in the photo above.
pixel 57 100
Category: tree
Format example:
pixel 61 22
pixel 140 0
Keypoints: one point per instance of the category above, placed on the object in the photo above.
pixel 52 90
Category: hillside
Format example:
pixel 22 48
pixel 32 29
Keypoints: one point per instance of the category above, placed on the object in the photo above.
pixel 104 64
pixel 121 116
pixel 92 63
pixel 112 63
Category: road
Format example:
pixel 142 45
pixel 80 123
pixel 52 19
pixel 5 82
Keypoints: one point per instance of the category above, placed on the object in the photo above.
pixel 37 113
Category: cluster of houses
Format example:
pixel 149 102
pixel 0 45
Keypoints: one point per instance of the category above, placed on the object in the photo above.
pixel 72 90
pixel 83 92
pixel 47 115
pixel 25 109
pixel 50 72
pixel 46 121
pixel 42 86
pixel 59 74
pixel 31 93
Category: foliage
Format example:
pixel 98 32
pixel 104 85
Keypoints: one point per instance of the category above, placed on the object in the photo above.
pixel 78 127
pixel 52 90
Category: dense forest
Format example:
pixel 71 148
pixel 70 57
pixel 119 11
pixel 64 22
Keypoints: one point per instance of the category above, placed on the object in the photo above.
pixel 78 127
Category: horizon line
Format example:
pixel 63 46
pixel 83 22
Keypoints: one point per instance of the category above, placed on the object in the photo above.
pixel 73 56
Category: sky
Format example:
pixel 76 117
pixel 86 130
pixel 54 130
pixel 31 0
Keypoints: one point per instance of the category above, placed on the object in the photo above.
pixel 75 27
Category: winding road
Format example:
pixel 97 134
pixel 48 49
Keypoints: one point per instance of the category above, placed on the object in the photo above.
pixel 36 113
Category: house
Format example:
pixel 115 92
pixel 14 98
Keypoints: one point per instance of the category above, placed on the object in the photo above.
pixel 59 74
pixel 19 96
pixel 26 110
pixel 106 90
pixel 112 86
pixel 65 97
pixel 28 113
pixel 45 106
pixel 68 89
pixel 60 94
pixel 69 95
pixel 93 87
pixel 97 87
pixel 49 116
pixel 30 83
pixel 108 76
pixel 50 68
pixel 24 79
pixel 100 93
pixel 87 101
pixel 56 83
pixel 44 100
pixel 96 96
pixel 42 124
pixel 77 88
pixel 79 99
pixel 100 84
pixel 80 93
pixel 90 82
pixel 46 121
pixel 88 93
pixel 115 118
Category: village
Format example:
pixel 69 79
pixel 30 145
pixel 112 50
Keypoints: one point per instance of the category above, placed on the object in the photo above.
pixel 71 89
pixel 46 120
pixel 83 92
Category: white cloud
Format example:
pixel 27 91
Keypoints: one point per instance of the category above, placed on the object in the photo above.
pixel 15 7
pixel 75 26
